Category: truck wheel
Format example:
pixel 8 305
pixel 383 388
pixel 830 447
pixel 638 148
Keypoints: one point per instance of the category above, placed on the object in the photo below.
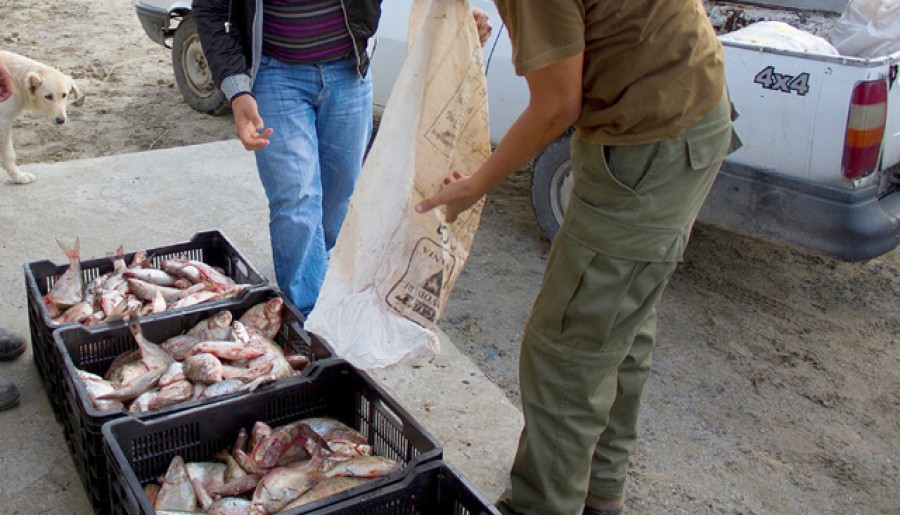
pixel 192 73
pixel 551 185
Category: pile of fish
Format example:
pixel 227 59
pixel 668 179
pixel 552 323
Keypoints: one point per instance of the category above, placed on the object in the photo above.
pixel 271 470
pixel 217 356
pixel 134 289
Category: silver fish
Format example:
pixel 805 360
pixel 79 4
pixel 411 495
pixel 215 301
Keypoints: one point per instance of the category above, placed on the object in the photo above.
pixel 173 374
pixel 97 386
pixel 216 327
pixel 230 506
pixel 174 393
pixel 259 431
pixel 177 492
pixel 210 474
pixel 68 290
pixel 237 486
pixel 143 401
pixel 281 486
pixel 148 291
pixel 114 304
pixel 365 466
pixel 333 429
pixel 78 312
pixel 210 274
pixel 135 387
pixel 203 368
pixel 151 354
pixel 232 351
pixel 127 373
pixel 196 298
pixel 223 387
pixel 327 488
pixel 264 318
pixel 151 275
pixel 179 347
pixel 181 268
pixel 123 359
pixel 246 374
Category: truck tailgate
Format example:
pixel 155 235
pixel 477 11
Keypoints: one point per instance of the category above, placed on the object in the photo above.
pixel 891 149
pixel 793 108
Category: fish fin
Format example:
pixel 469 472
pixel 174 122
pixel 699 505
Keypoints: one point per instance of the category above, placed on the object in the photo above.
pixel 71 253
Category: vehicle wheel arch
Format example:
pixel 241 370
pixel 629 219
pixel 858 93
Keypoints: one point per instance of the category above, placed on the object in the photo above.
pixel 192 74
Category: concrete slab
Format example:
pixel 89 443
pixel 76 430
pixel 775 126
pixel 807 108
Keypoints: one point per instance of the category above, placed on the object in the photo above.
pixel 156 198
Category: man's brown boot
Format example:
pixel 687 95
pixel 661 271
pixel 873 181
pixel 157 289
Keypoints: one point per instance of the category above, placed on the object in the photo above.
pixel 11 345
pixel 595 505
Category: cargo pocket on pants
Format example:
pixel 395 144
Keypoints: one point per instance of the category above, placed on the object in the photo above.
pixel 565 269
pixel 706 152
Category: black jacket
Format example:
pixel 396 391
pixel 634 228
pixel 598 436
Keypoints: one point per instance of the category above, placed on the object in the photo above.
pixel 233 54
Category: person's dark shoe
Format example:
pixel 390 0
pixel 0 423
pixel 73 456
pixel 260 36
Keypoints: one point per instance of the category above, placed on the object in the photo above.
pixel 11 345
pixel 594 511
pixel 9 394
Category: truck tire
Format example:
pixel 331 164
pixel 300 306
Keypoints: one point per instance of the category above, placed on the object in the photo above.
pixel 551 185
pixel 192 73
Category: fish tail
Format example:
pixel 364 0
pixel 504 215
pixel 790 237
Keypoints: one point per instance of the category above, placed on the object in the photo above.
pixel 71 253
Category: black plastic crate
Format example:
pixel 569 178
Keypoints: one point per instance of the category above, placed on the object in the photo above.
pixel 93 349
pixel 139 452
pixel 210 247
pixel 434 488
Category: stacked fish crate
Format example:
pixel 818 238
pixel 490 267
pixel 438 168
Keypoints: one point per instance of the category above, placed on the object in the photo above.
pixel 85 351
pixel 391 445
pixel 125 448
pixel 210 247
pixel 66 354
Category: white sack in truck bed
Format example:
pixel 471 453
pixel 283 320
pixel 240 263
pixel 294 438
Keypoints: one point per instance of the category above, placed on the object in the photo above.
pixel 392 270
pixel 868 28
pixel 780 35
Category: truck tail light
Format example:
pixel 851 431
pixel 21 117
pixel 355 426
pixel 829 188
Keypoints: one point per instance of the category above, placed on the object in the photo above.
pixel 865 129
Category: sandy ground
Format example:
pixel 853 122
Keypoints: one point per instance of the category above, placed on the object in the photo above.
pixel 775 383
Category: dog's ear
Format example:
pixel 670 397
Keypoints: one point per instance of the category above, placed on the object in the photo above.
pixel 34 81
pixel 76 95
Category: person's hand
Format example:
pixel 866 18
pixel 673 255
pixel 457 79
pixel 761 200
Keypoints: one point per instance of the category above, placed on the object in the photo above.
pixel 458 194
pixel 250 127
pixel 483 23
pixel 6 83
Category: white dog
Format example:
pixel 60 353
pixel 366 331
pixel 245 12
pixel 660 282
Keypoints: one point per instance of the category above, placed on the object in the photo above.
pixel 36 87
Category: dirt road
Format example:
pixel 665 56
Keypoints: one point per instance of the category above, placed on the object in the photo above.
pixel 775 385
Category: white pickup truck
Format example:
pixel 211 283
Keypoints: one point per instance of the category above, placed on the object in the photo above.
pixel 820 166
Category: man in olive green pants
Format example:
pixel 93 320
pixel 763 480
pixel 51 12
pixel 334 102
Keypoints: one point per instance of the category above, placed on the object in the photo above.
pixel 587 345
pixel 643 83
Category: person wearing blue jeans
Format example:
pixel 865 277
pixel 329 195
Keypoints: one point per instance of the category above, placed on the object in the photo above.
pixel 296 73
pixel 308 175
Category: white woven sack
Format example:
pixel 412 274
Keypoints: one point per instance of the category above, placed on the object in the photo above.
pixel 868 28
pixel 392 269
pixel 777 34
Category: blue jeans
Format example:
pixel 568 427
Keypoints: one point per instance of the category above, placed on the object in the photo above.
pixel 321 116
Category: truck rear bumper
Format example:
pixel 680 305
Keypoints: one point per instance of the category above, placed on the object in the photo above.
pixel 849 225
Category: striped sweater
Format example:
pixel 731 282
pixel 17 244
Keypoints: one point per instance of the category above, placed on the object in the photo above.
pixel 305 31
